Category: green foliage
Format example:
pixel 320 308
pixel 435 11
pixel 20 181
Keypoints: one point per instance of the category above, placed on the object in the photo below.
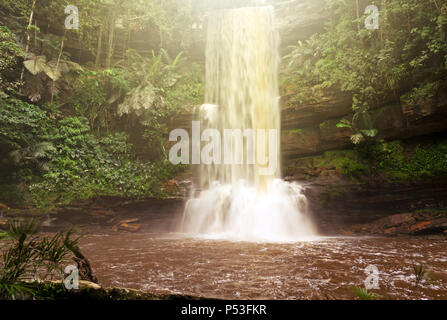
pixel 53 70
pixel 421 96
pixel 186 91
pixel 162 86
pixel 24 129
pixel 24 149
pixel 152 89
pixel 10 54
pixel 364 294
pixel 17 7
pixel 28 257
pixel 359 135
pixel 353 168
pixel 171 18
pixel 423 162
pixel 405 56
pixel 74 148
pixel 393 161
pixel 150 79
pixel 62 160
pixel 95 94
pixel 48 46
pixel 189 89
pixel 12 194
pixel 84 167
pixel 297 132
pixel 101 20
pixel 420 273
pixel 34 156
pixel 346 162
pixel 21 124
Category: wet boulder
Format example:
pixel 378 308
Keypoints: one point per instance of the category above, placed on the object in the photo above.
pixel 129 225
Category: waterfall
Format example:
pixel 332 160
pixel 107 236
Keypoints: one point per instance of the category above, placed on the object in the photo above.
pixel 238 199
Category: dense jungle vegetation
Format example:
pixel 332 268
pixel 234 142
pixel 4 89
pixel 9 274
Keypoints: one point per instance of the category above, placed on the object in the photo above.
pixel 405 58
pixel 403 61
pixel 70 114
pixel 84 112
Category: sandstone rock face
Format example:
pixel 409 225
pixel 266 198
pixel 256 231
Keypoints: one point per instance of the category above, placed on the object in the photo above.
pixel 376 207
pixel 393 119
pixel 406 224
pixel 310 128
pixel 426 118
pixel 299 142
pixel 333 137
pixel 389 120
pixel 330 105
pixel 416 113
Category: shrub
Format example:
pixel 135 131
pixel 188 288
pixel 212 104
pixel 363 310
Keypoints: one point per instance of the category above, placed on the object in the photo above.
pixel 10 55
pixel 27 257
pixel 84 167
pixel 424 161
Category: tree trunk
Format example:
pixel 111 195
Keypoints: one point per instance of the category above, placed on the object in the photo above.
pixel 80 48
pixel 99 48
pixel 28 36
pixel 126 44
pixel 84 267
pixel 358 15
pixel 35 33
pixel 111 40
pixel 57 65
pixel 129 36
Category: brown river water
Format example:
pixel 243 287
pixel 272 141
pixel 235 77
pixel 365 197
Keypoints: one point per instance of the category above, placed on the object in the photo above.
pixel 159 261
pixel 322 269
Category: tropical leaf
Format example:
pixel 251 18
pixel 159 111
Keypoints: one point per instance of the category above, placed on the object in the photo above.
pixel 73 66
pixel 36 153
pixel 344 125
pixel 370 133
pixel 54 70
pixel 29 55
pixel 364 293
pixel 36 65
pixel 53 73
pixel 138 101
pixel 62 67
pixel 357 138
